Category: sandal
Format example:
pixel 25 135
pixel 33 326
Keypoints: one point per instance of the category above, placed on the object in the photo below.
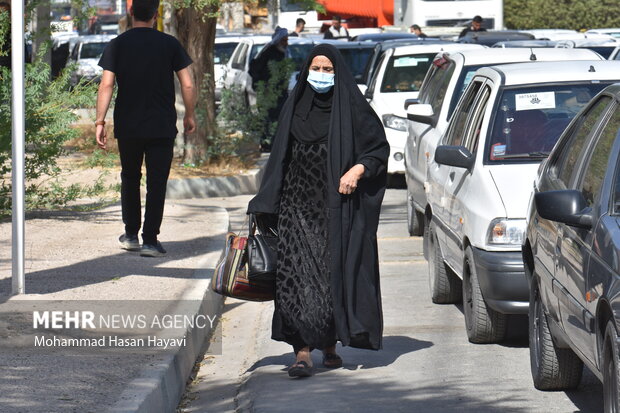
pixel 332 360
pixel 300 369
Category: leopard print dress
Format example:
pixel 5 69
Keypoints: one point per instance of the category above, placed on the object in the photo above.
pixel 303 305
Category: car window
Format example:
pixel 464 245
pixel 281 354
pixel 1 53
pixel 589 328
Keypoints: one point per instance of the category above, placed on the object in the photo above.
pixel 223 51
pixel 255 50
pixel 239 58
pixel 92 50
pixel 530 119
pixel 356 59
pixel 405 73
pixel 467 74
pixel 436 83
pixel 566 162
pixel 475 124
pixel 375 75
pixel 597 164
pixel 456 130
pixel 298 53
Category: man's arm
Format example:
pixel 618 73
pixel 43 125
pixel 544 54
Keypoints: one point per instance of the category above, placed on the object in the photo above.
pixel 104 96
pixel 189 99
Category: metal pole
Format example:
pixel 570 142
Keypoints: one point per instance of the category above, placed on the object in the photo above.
pixel 18 136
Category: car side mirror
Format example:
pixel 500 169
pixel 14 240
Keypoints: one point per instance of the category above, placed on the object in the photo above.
pixel 457 156
pixel 566 206
pixel 409 102
pixel 422 113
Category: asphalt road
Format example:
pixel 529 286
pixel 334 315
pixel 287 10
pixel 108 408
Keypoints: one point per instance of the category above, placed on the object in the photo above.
pixel 426 365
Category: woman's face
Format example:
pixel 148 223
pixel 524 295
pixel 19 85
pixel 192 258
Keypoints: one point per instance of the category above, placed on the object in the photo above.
pixel 322 64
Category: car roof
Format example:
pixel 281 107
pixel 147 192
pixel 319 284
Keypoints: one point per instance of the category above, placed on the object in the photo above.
pixel 498 55
pixel 553 72
pixel 526 43
pixel 256 39
pixel 436 48
pixel 377 37
pixel 96 38
pixel 339 44
pixel 229 39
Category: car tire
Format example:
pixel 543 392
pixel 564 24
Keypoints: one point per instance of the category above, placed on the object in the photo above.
pixel 552 368
pixel 445 285
pixel 483 324
pixel 415 219
pixel 611 380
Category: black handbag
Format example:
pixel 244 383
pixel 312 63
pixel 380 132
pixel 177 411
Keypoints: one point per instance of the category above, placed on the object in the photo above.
pixel 262 250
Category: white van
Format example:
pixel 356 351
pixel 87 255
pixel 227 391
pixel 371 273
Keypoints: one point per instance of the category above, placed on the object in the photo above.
pixel 444 83
pixel 480 180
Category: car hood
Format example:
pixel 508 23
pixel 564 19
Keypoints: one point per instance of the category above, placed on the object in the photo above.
pixel 514 184
pixel 219 72
pixel 394 103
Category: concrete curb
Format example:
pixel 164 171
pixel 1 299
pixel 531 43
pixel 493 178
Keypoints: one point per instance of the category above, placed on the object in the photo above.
pixel 219 186
pixel 162 384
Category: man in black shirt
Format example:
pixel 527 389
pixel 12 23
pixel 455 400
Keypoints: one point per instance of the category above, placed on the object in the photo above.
pixel 143 62
pixel 476 26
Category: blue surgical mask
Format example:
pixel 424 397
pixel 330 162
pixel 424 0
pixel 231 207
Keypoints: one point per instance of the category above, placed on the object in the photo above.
pixel 320 82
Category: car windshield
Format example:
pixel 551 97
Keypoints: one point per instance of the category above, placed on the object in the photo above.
pixel 299 53
pixel 406 73
pixel 356 59
pixel 529 120
pixel 223 51
pixel 92 50
pixel 604 51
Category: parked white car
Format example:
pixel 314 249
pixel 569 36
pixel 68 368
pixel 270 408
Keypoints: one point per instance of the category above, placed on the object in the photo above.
pixel 224 48
pixel 238 66
pixel 399 77
pixel 86 52
pixel 480 180
pixel 444 83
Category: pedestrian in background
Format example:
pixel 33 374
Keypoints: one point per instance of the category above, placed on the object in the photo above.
pixel 142 61
pixel 300 24
pixel 274 51
pixel 323 185
pixel 337 30
pixel 476 26
pixel 417 30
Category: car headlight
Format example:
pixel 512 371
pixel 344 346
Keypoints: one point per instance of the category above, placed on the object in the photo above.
pixel 395 122
pixel 506 231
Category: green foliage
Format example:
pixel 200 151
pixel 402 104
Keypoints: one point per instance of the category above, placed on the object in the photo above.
pixel 101 158
pixel 49 116
pixel 309 5
pixel 561 14
pixel 242 126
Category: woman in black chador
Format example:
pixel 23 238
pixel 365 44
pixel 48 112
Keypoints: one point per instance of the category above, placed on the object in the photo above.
pixel 324 183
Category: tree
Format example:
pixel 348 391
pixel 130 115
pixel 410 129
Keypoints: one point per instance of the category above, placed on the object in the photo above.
pixel 195 27
pixel 561 14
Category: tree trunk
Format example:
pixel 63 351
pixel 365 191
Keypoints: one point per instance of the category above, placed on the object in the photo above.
pixel 196 32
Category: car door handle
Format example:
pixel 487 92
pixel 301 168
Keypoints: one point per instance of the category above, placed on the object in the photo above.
pixel 451 175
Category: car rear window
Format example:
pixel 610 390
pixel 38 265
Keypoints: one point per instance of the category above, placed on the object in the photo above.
pixel 223 51
pixel 92 50
pixel 356 59
pixel 529 120
pixel 406 73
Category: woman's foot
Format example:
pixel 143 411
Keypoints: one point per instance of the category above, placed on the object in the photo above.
pixel 331 360
pixel 303 364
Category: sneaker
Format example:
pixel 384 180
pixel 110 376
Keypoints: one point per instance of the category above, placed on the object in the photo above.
pixel 150 250
pixel 129 242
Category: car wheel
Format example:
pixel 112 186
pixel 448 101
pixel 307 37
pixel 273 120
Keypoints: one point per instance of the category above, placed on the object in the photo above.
pixel 611 381
pixel 444 284
pixel 553 368
pixel 483 324
pixel 415 219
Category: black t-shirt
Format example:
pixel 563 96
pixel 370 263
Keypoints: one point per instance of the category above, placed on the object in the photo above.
pixel 144 61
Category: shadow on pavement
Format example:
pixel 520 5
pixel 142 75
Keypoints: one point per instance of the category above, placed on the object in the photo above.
pixel 113 266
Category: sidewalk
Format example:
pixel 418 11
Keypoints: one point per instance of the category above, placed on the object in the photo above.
pixel 71 257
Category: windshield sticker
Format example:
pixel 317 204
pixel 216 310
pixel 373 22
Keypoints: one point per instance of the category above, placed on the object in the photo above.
pixel 498 151
pixel 528 101
pixel 468 77
pixel 408 61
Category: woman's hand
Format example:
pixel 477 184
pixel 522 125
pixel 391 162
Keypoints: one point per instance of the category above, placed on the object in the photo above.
pixel 349 180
